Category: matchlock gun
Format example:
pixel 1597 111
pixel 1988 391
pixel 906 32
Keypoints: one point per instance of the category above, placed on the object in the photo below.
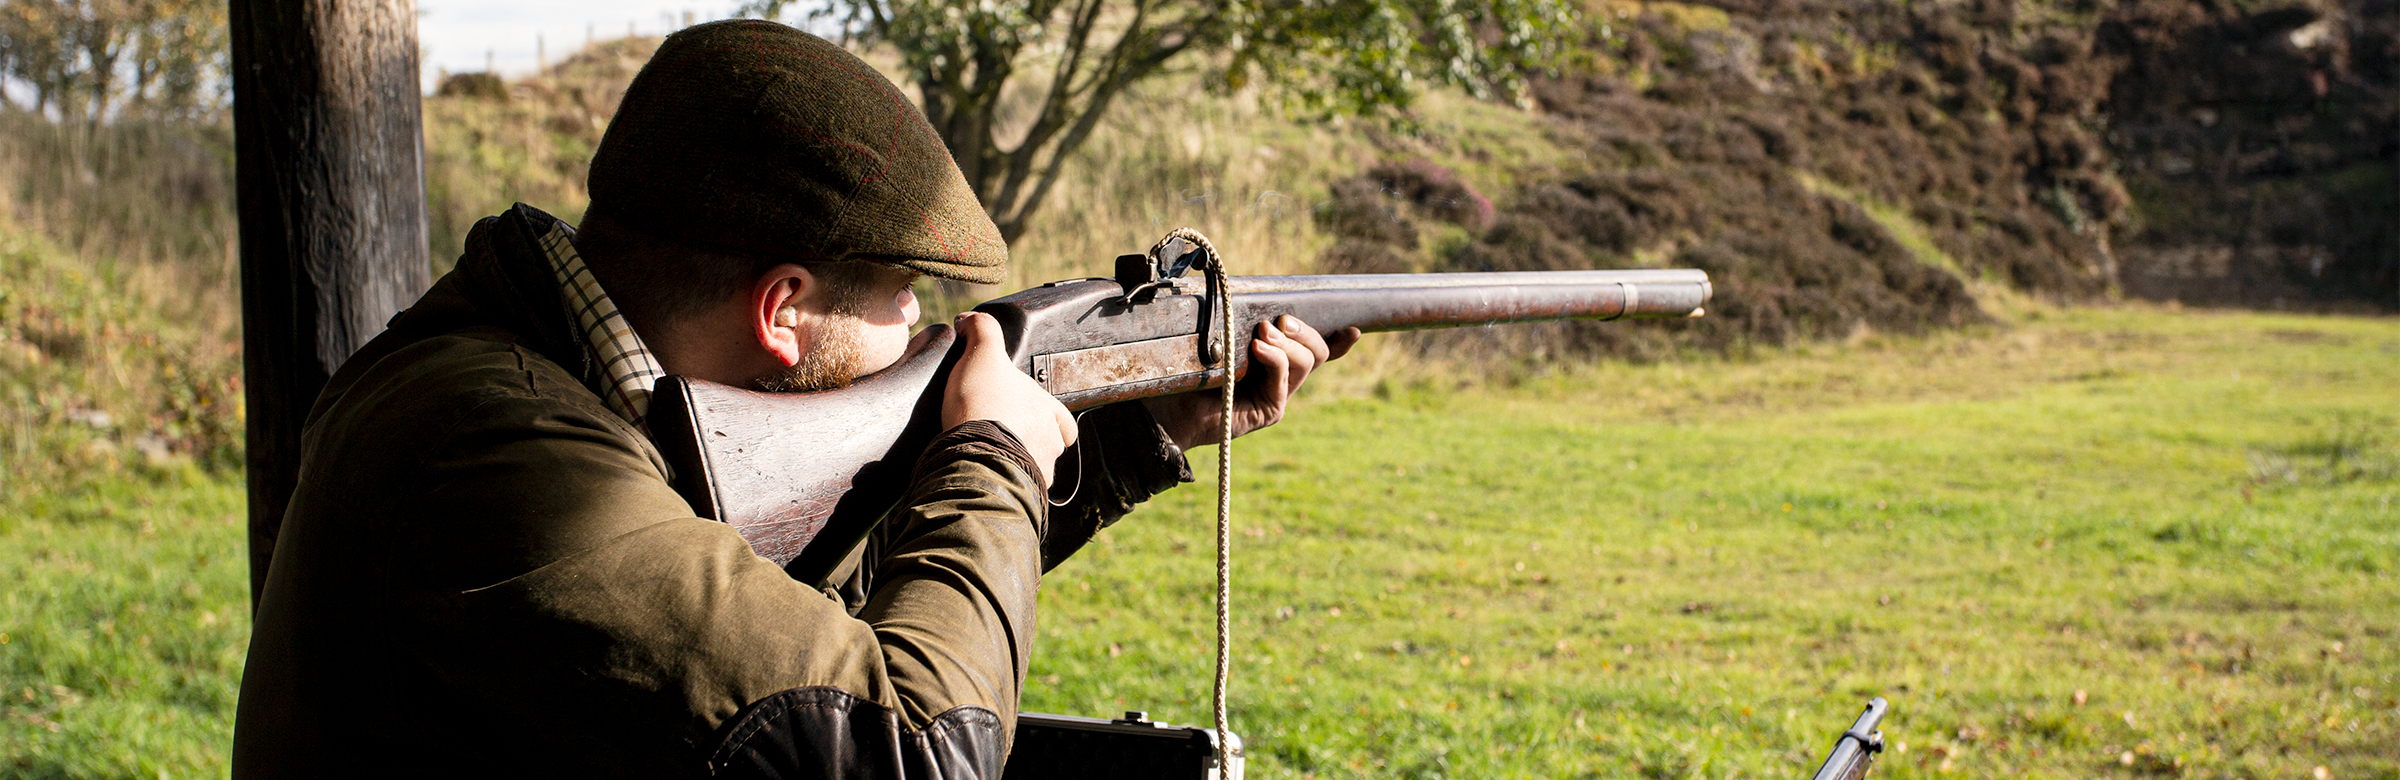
pixel 805 476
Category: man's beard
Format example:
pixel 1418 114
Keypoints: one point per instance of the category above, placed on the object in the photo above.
pixel 834 361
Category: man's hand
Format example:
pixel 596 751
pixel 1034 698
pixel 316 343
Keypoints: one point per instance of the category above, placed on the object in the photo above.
pixel 984 385
pixel 1282 354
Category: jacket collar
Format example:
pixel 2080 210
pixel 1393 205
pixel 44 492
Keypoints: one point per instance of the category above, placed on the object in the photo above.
pixel 502 280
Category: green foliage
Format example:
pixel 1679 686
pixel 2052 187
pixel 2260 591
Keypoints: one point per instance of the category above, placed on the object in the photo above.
pixel 90 59
pixel 1362 56
pixel 2044 544
pixel 1017 87
pixel 124 602
pixel 94 383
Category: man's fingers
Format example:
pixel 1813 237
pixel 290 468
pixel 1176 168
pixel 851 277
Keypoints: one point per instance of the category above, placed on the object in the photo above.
pixel 1285 350
pixel 986 385
pixel 1341 342
pixel 1308 337
pixel 1273 374
pixel 1297 355
pixel 979 331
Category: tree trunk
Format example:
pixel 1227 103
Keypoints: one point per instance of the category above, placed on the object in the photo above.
pixel 330 180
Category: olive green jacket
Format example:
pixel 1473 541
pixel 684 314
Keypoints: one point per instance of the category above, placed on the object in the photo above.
pixel 484 569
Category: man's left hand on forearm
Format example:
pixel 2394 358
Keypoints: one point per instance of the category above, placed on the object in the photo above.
pixel 1283 352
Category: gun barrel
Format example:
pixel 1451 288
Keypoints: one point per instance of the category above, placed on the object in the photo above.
pixel 1244 285
pixel 787 469
pixel 1089 345
pixel 1855 751
pixel 1466 300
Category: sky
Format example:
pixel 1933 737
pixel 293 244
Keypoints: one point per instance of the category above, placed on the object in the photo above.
pixel 458 35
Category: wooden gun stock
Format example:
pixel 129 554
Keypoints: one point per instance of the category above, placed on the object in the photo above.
pixel 805 476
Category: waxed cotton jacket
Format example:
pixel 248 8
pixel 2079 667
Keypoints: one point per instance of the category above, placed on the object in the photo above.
pixel 484 570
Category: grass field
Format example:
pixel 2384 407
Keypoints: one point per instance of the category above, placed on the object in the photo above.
pixel 2095 543
pixel 2099 543
pixel 122 629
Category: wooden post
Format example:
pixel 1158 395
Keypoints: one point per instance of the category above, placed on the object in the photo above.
pixel 330 181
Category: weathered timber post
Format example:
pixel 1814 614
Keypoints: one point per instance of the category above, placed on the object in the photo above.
pixel 330 182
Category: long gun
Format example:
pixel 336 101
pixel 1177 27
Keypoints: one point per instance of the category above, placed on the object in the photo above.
pixel 1854 752
pixel 805 476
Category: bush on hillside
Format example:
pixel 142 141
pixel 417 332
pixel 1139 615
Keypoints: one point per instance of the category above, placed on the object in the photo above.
pixel 490 144
pixel 1373 216
pixel 1787 147
pixel 1435 191
pixel 2260 142
pixel 484 85
pixel 93 379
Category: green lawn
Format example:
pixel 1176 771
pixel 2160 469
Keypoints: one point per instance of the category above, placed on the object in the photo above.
pixel 2097 543
pixel 124 614
pixel 2102 543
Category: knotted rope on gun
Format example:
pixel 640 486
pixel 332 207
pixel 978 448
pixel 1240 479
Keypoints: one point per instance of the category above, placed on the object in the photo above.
pixel 1220 296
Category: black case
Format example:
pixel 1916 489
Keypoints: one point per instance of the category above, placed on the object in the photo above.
pixel 1064 747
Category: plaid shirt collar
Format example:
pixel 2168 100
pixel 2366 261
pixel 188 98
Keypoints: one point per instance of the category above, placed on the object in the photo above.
pixel 627 369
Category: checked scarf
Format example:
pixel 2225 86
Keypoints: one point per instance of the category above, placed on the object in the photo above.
pixel 627 369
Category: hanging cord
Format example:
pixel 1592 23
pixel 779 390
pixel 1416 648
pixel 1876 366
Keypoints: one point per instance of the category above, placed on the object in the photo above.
pixel 1213 267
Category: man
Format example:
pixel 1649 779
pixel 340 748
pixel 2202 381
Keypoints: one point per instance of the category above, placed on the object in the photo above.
pixel 484 568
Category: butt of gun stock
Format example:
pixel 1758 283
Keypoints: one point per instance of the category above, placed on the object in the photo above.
pixel 803 476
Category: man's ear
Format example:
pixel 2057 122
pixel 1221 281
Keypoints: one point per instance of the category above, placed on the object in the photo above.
pixel 777 314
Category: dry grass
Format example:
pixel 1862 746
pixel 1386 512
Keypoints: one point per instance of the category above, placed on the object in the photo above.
pixel 148 204
pixel 1248 178
pixel 119 326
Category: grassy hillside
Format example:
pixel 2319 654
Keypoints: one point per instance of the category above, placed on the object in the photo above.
pixel 1249 178
pixel 124 593
pixel 2115 542
pixel 2102 543
pixel 2123 542
pixel 1843 165
pixel 100 378
pixel 1835 166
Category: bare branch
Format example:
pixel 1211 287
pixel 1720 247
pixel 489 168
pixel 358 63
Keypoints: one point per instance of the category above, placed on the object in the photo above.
pixel 1055 108
pixel 1105 93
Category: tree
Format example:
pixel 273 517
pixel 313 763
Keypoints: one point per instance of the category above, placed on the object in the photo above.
pixel 328 140
pixel 91 59
pixel 1321 57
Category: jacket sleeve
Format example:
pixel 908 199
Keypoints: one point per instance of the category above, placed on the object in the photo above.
pixel 948 622
pixel 1123 459
pixel 636 631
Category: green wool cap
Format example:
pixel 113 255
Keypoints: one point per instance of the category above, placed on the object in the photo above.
pixel 754 137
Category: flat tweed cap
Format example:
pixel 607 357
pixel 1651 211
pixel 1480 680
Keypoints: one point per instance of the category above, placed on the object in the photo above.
pixel 755 137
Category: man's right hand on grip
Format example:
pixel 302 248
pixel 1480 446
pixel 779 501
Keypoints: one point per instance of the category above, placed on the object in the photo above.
pixel 986 385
